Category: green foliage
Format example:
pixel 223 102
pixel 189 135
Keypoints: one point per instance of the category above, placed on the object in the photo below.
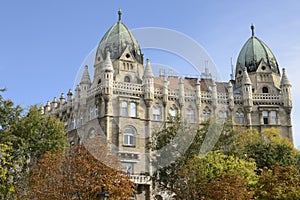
pixel 9 113
pixel 233 163
pixel 28 136
pixel 41 133
pixel 271 149
pixel 279 182
pixel 6 186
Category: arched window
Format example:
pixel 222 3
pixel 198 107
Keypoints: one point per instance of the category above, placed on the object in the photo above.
pixel 124 108
pixel 265 90
pixel 156 113
pixel 132 109
pixel 172 113
pixel 129 136
pixel 206 114
pixel 127 79
pixel 222 115
pixel 190 115
pixel 239 117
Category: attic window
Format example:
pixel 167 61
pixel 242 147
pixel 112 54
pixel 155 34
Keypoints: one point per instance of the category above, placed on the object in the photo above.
pixel 127 79
pixel 265 90
pixel 99 81
pixel 127 55
pixel 240 72
pixel 263 67
pixel 98 58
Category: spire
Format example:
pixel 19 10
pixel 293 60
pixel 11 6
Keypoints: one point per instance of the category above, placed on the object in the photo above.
pixel 246 79
pixel 108 66
pixel 148 70
pixel 252 29
pixel 120 14
pixel 284 79
pixel 85 79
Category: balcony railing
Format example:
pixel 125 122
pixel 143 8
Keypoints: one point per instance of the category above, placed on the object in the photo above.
pixel 140 179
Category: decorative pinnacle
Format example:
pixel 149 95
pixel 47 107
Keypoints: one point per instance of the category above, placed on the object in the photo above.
pixel 120 14
pixel 252 29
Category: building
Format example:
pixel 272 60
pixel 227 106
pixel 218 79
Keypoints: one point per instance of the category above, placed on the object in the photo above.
pixel 125 101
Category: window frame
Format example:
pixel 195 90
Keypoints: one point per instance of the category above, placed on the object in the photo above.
pixel 129 137
pixel 156 113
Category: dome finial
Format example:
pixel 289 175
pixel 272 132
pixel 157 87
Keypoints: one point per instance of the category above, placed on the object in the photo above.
pixel 120 14
pixel 252 29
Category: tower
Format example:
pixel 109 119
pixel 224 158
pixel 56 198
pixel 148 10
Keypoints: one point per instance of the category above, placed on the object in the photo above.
pixel 266 95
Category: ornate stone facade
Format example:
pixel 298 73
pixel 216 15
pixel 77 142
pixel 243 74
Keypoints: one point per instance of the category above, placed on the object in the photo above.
pixel 126 102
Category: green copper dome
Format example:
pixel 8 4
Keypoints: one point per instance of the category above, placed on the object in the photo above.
pixel 117 39
pixel 253 52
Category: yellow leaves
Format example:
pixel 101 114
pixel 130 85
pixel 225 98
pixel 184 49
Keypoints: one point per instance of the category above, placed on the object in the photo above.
pixel 77 172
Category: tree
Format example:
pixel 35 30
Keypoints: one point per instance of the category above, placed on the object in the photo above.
pixel 41 133
pixel 10 147
pixel 189 176
pixel 77 173
pixel 6 186
pixel 229 185
pixel 29 135
pixel 271 149
pixel 279 182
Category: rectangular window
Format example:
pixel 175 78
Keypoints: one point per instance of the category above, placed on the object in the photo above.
pixel 265 117
pixel 96 112
pixel 156 114
pixel 273 118
pixel 73 123
pixel 124 108
pixel 132 109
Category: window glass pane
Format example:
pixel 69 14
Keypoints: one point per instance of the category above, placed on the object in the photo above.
pixel 96 112
pixel 190 116
pixel 206 114
pixel 124 108
pixel 239 116
pixel 172 112
pixel 156 113
pixel 273 117
pixel 265 117
pixel 73 123
pixel 129 136
pixel 132 109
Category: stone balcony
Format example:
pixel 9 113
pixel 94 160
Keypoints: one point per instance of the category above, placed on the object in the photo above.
pixel 140 179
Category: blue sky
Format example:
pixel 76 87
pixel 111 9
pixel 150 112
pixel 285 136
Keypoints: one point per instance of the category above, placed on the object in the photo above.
pixel 43 43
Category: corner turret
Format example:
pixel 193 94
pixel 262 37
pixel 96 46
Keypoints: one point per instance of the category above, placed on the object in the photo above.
pixel 148 82
pixel 286 90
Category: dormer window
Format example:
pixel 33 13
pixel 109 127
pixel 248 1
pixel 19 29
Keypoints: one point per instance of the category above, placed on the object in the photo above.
pixel 265 90
pixel 127 79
